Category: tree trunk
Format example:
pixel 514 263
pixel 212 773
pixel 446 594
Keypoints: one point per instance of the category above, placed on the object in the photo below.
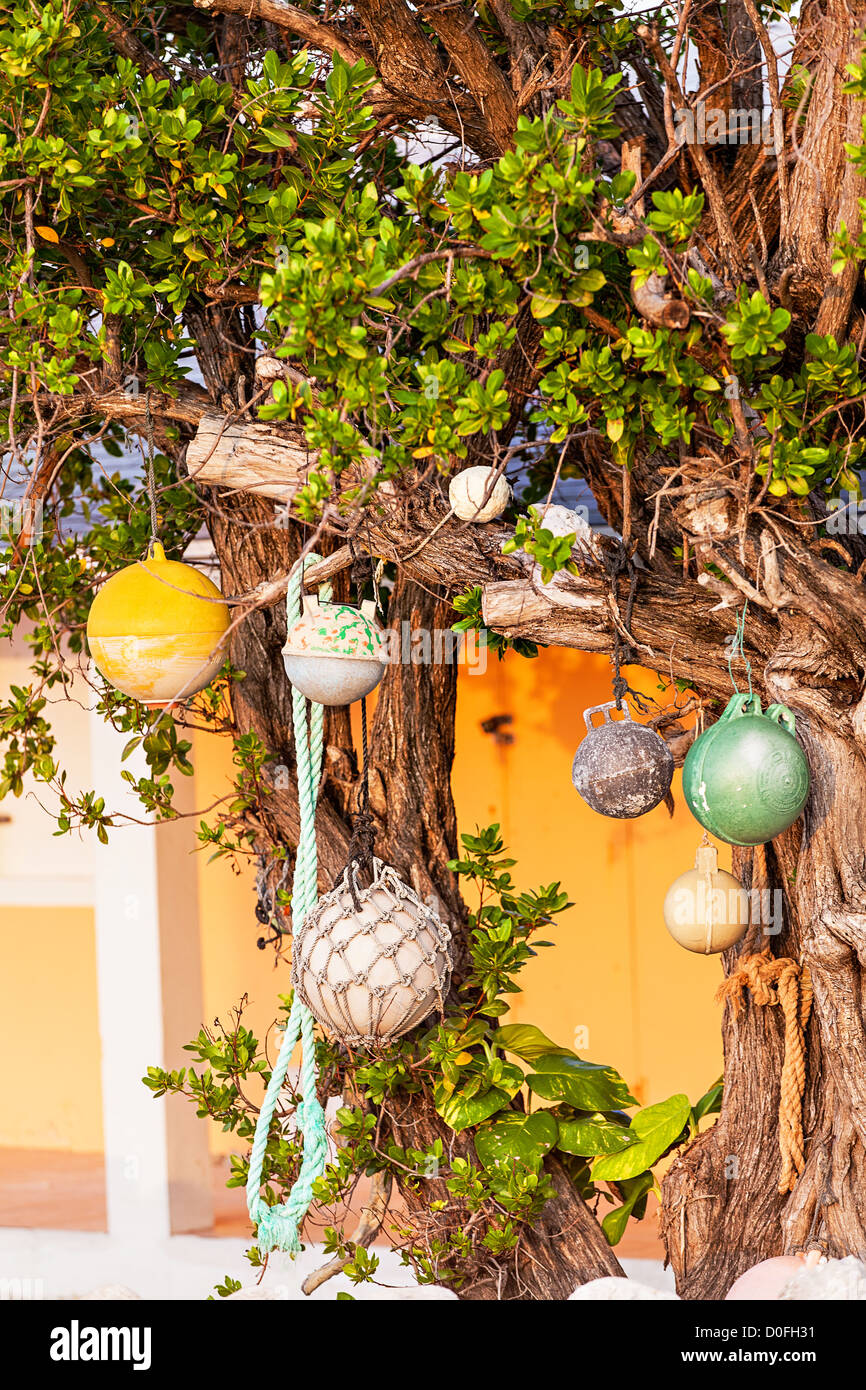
pixel 722 1192
pixel 825 185
pixel 563 1249
pixel 411 752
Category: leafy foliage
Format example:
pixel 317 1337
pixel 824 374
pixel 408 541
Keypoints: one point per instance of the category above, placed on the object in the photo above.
pixel 148 206
pixel 513 1116
pixel 396 285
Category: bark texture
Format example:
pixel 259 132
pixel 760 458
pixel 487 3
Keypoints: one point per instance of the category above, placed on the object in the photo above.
pixel 771 211
pixel 564 1248
pixel 825 187
pixel 808 645
pixel 411 753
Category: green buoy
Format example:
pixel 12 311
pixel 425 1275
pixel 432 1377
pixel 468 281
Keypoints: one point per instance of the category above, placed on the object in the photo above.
pixel 746 779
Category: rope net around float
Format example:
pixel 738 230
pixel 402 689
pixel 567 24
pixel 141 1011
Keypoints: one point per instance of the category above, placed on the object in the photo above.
pixel 370 963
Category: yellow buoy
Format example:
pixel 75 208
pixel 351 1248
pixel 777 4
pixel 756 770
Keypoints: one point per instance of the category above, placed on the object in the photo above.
pixel 156 630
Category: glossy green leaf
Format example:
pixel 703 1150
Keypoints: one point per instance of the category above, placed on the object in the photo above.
pixel 656 1128
pixel 634 1192
pixel 585 1085
pixel 710 1102
pixel 591 1135
pixel 515 1136
pixel 459 1111
pixel 476 1100
pixel 543 305
pixel 528 1042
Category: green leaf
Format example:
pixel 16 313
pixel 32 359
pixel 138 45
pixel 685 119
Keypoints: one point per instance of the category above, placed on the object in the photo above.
pixel 528 1042
pixel 541 306
pixel 337 84
pixel 710 1102
pixel 459 1111
pixel 477 1099
pixel 591 1135
pixel 615 1222
pixel 585 1085
pixel 282 139
pixel 656 1128
pixel 516 1136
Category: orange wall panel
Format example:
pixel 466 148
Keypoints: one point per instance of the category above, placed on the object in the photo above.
pixel 616 987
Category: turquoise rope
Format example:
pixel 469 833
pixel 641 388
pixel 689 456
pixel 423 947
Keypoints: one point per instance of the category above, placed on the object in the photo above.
pixel 736 648
pixel 279 1227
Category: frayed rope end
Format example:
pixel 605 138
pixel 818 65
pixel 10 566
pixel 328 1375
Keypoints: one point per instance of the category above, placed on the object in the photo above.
pixel 279 1226
pixel 278 1231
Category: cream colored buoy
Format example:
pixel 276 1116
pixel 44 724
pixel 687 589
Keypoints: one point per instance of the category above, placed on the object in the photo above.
pixel 706 909
pixel 370 970
pixel 467 493
pixel 334 652
pixel 157 630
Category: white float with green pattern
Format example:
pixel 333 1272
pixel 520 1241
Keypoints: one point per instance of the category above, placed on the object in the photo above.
pixel 334 653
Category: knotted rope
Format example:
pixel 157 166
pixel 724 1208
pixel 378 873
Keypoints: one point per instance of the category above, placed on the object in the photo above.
pixel 279 1226
pixel 781 981
pixel 620 562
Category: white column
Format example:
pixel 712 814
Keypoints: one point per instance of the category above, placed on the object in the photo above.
pixel 150 1003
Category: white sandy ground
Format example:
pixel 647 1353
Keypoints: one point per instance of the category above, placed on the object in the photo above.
pixel 73 1264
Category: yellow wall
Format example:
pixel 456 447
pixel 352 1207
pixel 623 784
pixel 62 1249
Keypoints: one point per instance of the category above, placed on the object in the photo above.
pixel 50 1078
pixel 615 973
pixel 644 1004
pixel 232 965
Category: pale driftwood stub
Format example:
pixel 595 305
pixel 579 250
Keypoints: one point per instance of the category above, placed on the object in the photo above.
pixel 514 603
pixel 249 457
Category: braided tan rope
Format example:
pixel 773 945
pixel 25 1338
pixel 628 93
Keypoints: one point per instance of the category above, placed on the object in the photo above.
pixel 780 981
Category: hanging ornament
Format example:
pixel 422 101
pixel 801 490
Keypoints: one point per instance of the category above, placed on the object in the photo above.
pixel 403 973
pixel 746 779
pixel 621 769
pixel 334 652
pixel 371 963
pixel 706 909
pixel 468 490
pixel 156 630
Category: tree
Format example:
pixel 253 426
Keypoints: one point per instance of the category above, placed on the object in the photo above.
pixel 336 254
